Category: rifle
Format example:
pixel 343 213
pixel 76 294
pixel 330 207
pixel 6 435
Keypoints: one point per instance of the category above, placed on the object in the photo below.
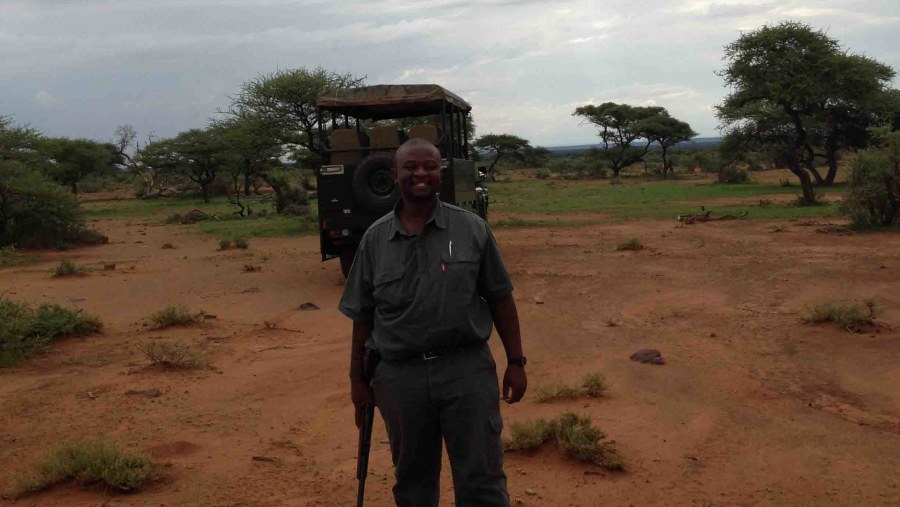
pixel 365 442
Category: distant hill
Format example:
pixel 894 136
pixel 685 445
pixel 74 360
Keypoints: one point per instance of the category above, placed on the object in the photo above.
pixel 697 142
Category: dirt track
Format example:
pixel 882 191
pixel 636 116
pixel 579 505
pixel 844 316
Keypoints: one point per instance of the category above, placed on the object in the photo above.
pixel 752 408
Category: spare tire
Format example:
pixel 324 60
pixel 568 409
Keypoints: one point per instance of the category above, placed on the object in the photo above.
pixel 373 183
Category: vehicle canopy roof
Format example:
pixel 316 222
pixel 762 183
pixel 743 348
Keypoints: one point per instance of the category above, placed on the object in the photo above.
pixel 380 102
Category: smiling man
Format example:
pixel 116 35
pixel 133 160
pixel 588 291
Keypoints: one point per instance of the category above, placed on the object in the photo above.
pixel 426 287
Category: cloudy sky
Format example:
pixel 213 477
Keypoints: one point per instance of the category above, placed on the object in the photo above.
pixel 79 68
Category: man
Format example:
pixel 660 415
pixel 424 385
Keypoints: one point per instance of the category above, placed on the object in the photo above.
pixel 426 286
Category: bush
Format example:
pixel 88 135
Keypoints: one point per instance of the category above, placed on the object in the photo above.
pixel 853 318
pixel 10 257
pixel 68 268
pixel 25 331
pixel 873 196
pixel 574 436
pixel 241 243
pixel 730 174
pixel 89 463
pixel 594 386
pixel 37 213
pixel 542 174
pixel 224 244
pixel 174 316
pixel 173 355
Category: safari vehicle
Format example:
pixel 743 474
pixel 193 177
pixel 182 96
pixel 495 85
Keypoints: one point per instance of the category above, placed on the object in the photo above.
pixel 361 128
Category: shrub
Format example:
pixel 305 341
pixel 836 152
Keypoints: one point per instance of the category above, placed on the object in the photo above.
pixel 631 244
pixel 173 355
pixel 241 243
pixel 873 196
pixel 10 257
pixel 853 318
pixel 594 385
pixel 37 213
pixel 574 436
pixel 542 174
pixel 174 316
pixel 555 392
pixel 250 268
pixel 730 174
pixel 224 244
pixel 68 268
pixel 25 331
pixel 89 463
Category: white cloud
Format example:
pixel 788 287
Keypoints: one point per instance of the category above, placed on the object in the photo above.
pixel 46 99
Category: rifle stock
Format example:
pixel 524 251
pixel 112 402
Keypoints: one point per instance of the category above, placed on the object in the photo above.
pixel 365 443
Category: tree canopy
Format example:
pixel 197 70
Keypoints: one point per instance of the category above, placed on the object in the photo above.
pixel 501 145
pixel 796 91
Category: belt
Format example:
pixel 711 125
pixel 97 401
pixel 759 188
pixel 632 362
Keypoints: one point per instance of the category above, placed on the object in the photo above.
pixel 436 353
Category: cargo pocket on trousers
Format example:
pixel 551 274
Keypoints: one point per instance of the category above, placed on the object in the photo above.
pixel 495 449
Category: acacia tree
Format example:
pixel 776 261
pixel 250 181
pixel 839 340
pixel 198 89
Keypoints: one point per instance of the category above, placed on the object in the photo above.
pixel 201 154
pixel 72 160
pixel 501 145
pixel 794 90
pixel 667 132
pixel 619 125
pixel 254 143
pixel 287 100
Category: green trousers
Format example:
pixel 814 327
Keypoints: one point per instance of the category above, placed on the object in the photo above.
pixel 454 398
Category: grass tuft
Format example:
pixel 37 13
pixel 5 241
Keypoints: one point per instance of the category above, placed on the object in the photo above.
pixel 224 244
pixel 25 331
pixel 174 316
pixel 175 355
pixel 89 463
pixel 631 244
pixel 241 243
pixel 574 435
pixel 853 318
pixel 594 385
pixel 9 257
pixel 68 268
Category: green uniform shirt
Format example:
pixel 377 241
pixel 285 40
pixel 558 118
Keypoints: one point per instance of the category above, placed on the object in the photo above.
pixel 428 292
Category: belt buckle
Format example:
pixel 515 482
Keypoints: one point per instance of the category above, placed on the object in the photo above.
pixel 428 356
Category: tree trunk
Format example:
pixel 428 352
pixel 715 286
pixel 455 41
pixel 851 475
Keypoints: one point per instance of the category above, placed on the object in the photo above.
pixel 665 169
pixel 831 156
pixel 204 189
pixel 809 195
pixel 616 179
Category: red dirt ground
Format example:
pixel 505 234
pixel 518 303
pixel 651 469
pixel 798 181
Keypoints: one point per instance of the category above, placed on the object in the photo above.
pixel 753 407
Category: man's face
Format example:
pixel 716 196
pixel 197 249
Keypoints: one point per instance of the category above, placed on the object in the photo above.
pixel 418 172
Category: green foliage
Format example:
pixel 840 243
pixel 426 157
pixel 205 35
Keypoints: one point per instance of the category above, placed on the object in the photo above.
pixel 853 318
pixel 224 244
pixel 555 392
pixel 732 175
pixel 89 463
pixel 631 244
pixel 10 257
pixel 873 196
pixel 174 316
pixel 501 146
pixel 542 173
pixel 574 435
pixel 72 160
pixel 25 331
pixel 589 165
pixel 594 385
pixel 667 132
pixel 241 243
pixel 175 355
pixel 796 93
pixel 68 268
pixel 619 126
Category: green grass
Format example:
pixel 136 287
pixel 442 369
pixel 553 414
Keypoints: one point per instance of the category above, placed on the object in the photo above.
pixel 574 435
pixel 174 316
pixel 593 385
pixel 88 463
pixel 852 317
pixel 650 199
pixel 25 331
pixel 9 257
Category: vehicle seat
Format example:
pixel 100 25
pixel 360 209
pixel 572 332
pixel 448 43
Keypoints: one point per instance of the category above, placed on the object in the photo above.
pixel 386 138
pixel 429 133
pixel 346 146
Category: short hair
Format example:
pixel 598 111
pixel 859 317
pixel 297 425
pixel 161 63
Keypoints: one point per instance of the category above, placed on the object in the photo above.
pixel 418 141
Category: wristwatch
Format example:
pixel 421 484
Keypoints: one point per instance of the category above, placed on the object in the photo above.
pixel 517 361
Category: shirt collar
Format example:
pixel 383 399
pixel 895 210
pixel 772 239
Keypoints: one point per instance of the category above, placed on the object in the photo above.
pixel 438 218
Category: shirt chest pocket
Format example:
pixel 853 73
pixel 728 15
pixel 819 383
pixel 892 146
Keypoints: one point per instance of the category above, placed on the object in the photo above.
pixel 460 272
pixel 389 291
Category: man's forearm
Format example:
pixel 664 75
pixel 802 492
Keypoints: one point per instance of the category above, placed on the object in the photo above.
pixel 506 320
pixel 361 331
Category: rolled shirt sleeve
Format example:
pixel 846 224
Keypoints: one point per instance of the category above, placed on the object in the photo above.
pixel 493 280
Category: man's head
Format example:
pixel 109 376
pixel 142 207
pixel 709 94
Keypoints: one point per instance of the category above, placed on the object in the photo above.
pixel 417 170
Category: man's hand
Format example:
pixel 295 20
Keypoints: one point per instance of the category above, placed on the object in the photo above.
pixel 514 383
pixel 360 393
